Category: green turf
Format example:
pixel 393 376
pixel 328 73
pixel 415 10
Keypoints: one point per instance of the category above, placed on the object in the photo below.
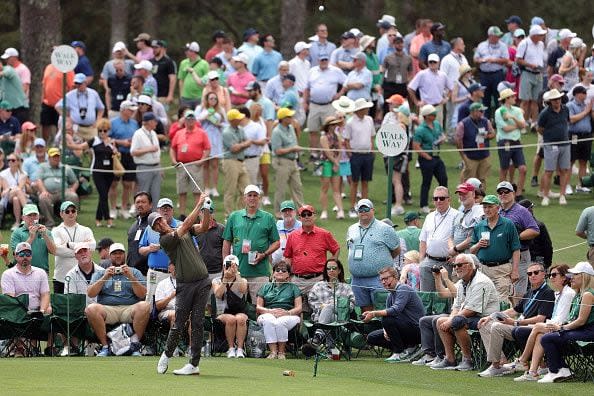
pixel 127 375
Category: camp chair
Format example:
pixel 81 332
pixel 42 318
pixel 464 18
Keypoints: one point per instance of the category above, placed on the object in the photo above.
pixel 339 329
pixel 579 356
pixel 18 325
pixel 68 316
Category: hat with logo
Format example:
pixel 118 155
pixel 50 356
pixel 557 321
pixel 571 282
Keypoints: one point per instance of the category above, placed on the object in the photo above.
pixel 53 152
pixel 536 30
pixel 8 52
pixel 30 209
pixel 410 216
pixel 433 58
pixel 154 216
pixel 144 99
pixel 79 78
pixel 494 31
pixel 235 114
pixel 212 75
pixel 477 106
pixel 128 105
pixel 504 184
pixel 143 36
pixel 251 188
pixel 514 19
pixel 22 246
pixel 364 202
pixel 582 267
pixel 476 183
pixel 116 247
pixel 193 46
pixel 565 34
pixel 490 200
pixel 476 87
pixel 118 46
pixel 464 188
pixel 163 202
pixel 78 44
pixel 287 205
pixel 39 142
pixel 189 113
pixel 306 208
pixel 241 57
pixel 149 116
pixel 252 86
pixel 81 245
pixel 284 112
pixel 144 65
pixel 66 204
pixel 428 110
pixel 300 46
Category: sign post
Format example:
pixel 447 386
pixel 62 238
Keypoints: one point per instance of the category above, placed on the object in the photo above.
pixel 391 140
pixel 64 58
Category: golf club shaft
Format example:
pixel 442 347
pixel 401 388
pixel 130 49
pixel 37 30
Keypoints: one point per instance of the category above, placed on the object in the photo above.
pixel 190 176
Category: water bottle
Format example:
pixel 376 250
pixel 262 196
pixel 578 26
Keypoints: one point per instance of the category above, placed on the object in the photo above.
pixel 207 345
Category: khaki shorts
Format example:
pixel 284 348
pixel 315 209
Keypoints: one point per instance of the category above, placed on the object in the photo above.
pixel 183 182
pixel 118 313
pixel 317 116
pixel 87 133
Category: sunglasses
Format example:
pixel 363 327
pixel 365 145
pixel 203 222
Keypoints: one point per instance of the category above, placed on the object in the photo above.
pixel 458 265
pixel 364 209
pixel 70 211
pixel 12 160
pixel 332 268
pixel 530 273
pixel 306 214
pixel 503 192
pixel 553 275
pixel 384 279
pixel 281 270
pixel 26 253
pixel 440 198
pixel 103 130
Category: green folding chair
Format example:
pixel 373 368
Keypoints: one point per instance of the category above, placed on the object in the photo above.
pixel 68 316
pixel 16 323
pixel 339 329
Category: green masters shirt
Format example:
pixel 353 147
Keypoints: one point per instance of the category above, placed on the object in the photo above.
pixel 189 266
pixel 52 177
pixel 503 118
pixel 233 136
pixel 38 246
pixel 11 88
pixel 586 224
pixel 425 136
pixel 279 295
pixel 259 231
pixel 190 89
pixel 410 235
pixel 283 137
pixel 504 240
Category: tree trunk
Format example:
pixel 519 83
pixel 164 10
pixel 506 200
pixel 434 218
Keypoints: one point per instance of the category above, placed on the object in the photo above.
pixel 373 10
pixel 119 22
pixel 150 9
pixel 41 29
pixel 292 25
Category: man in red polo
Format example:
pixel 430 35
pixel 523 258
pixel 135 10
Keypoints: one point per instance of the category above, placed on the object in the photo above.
pixel 189 145
pixel 307 251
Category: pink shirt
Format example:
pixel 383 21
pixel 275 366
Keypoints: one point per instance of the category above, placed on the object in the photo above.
pixel 24 73
pixel 238 81
pixel 34 283
pixel 145 54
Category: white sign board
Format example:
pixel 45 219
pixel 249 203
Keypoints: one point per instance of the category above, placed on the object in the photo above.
pixel 64 58
pixel 391 139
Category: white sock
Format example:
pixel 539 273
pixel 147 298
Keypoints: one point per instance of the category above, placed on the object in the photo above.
pixel 134 338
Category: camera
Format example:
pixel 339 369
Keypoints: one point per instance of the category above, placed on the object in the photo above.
pixel 436 269
pixel 117 270
pixel 228 264
pixel 82 112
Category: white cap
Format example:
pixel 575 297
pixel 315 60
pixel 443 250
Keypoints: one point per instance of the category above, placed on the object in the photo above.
pixel 241 57
pixel 144 99
pixel 582 267
pixel 8 52
pixel 576 42
pixel 128 105
pixel 81 245
pixel 115 247
pixel 193 46
pixel 164 201
pixel 232 258
pixel 22 246
pixel 536 30
pixel 213 74
pixel 144 65
pixel 356 32
pixel 251 188
pixel 119 46
pixel 427 110
pixel 566 33
pixel 433 58
pixel 300 46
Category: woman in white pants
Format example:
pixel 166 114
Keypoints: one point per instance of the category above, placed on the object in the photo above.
pixel 279 309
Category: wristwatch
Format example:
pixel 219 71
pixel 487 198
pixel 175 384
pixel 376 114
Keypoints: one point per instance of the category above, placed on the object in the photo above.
pixel 516 323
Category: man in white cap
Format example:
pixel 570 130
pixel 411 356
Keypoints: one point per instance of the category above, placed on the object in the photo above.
pixel 11 57
pixel 492 57
pixel 358 136
pixel 252 236
pixel 82 272
pixel 145 69
pixel 190 74
pixel 384 24
pixel 564 37
pixel 531 56
pixel 119 54
pixel 299 66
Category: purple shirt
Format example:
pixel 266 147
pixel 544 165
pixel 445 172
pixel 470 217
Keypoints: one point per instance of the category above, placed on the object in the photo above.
pixel 523 220
pixel 34 283
pixel 432 85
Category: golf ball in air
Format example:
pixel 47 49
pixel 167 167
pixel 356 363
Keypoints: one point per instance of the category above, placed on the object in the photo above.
pixel 321 8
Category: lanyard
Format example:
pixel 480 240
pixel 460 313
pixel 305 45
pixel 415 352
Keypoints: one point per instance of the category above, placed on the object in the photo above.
pixel 362 234
pixel 441 221
pixel 73 234
pixel 533 298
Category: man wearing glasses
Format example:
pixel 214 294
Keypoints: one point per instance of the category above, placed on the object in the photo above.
pixel 536 306
pixel 496 243
pixel 372 245
pixel 434 236
pixel 67 237
pixel 307 251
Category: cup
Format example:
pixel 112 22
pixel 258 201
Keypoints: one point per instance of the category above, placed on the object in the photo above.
pixel 335 353
pixel 289 373
pixel 4 249
pixel 252 258
pixel 486 235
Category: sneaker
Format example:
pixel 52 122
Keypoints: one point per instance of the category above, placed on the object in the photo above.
pixel 545 201
pixel 444 365
pixel 266 201
pixel 562 200
pixel 272 355
pixel 435 362
pixel 132 210
pixel 231 353
pixel 239 354
pixel 352 213
pixel 414 353
pixel 465 365
pixel 163 364
pixel 534 181
pixel 135 347
pixel 340 215
pixel 581 189
pixel 396 210
pixel 104 352
pixel 516 366
pixel 124 214
pixel 395 358
pixel 527 377
pixel 562 375
pixel 568 190
pixel 359 196
pixel 188 369
pixel 324 215
pixel 215 194
pixel 343 195
pixel 542 371
pixel 492 371
pixel 426 358
pixel 335 208
pixel 425 209
pixel 553 194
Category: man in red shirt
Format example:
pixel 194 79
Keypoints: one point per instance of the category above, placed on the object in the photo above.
pixel 307 251
pixel 190 144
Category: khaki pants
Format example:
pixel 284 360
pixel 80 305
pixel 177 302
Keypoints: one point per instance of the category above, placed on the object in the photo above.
pixel 493 334
pixel 254 284
pixel 86 132
pixel 591 255
pixel 252 166
pixel 287 175
pixel 477 168
pixel 305 286
pixel 152 280
pixel 501 277
pixel 236 178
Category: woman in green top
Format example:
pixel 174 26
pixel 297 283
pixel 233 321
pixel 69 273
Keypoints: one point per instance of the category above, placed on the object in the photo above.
pixel 279 309
pixel 579 328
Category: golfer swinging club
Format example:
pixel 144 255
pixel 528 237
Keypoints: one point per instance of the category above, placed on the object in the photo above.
pixel 193 284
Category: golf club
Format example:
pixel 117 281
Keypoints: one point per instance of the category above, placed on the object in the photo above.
pixel 189 175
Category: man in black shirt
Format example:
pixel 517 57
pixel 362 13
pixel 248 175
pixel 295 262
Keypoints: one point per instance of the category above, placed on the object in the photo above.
pixel 166 71
pixel 143 203
pixel 541 247
pixel 118 88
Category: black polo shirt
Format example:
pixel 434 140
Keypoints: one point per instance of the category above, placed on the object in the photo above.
pixel 135 259
pixel 120 88
pixel 164 67
pixel 211 248
pixel 537 302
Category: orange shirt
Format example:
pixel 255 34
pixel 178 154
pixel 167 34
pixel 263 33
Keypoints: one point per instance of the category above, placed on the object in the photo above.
pixel 52 84
pixel 415 48
pixel 190 145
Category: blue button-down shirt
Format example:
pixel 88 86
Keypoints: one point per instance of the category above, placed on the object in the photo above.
pixel 318 49
pixel 265 65
pixel 76 100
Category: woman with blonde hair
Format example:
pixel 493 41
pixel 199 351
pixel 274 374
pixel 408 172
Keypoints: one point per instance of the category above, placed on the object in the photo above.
pixel 211 115
pixel 26 141
pixel 410 274
pixel 13 181
pixel 330 142
pixel 570 64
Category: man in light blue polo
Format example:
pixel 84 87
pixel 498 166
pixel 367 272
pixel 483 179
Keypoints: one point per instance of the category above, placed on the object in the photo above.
pixel 358 81
pixel 372 245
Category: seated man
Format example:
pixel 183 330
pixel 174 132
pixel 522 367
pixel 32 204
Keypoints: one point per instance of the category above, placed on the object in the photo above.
pixel 400 319
pixel 120 292
pixel 25 279
pixel 80 276
pixel 165 296
pixel 49 185
pixel 476 297
pixel 536 306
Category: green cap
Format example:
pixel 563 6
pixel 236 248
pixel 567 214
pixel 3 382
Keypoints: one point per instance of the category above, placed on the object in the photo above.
pixel 490 200
pixel 66 204
pixel 148 91
pixel 410 216
pixel 30 209
pixel 4 105
pixel 494 31
pixel 477 106
pixel 287 205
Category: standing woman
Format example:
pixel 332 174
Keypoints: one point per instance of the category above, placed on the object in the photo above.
pixel 25 142
pixel 330 142
pixel 212 116
pixel 14 180
pixel 214 86
pixel 103 150
pixel 460 94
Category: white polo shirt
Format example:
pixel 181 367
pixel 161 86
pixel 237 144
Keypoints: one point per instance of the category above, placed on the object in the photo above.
pixel 436 230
